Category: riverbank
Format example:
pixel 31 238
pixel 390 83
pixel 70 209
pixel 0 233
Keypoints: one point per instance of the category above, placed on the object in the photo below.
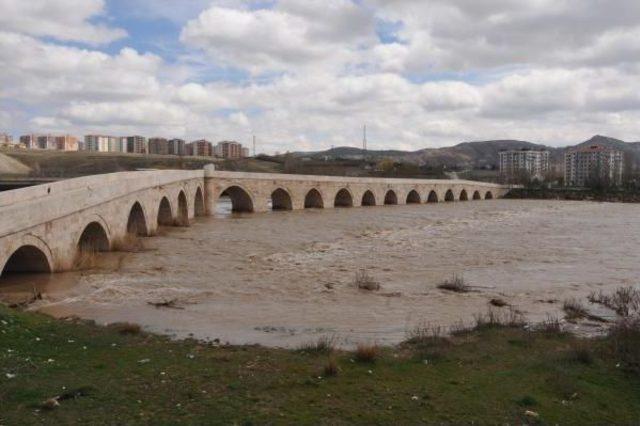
pixel 611 196
pixel 63 372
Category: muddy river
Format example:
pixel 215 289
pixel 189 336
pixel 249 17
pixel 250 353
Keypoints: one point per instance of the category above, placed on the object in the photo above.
pixel 286 278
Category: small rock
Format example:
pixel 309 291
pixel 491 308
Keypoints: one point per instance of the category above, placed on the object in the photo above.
pixel 414 398
pixel 51 403
pixel 10 376
pixel 533 414
pixel 144 361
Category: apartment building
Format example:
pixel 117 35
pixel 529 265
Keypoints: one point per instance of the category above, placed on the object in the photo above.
pixel 136 144
pixel 593 165
pixel 103 143
pixel 159 146
pixel 228 149
pixel 524 164
pixel 200 148
pixel 52 142
pixel 177 147
pixel 6 139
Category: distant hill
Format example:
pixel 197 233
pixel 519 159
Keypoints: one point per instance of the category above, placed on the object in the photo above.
pixel 477 154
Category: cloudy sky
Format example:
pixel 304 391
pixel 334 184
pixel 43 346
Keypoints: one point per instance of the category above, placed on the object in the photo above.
pixel 307 74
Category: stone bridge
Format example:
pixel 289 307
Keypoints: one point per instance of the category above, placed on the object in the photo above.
pixel 48 228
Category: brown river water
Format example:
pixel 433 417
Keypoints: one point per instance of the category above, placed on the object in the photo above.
pixel 286 278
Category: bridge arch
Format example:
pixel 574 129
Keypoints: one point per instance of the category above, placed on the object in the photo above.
pixel 137 224
pixel 368 198
pixel 448 196
pixel 390 198
pixel 94 238
pixel 488 195
pixel 281 200
pixel 463 195
pixel 183 209
pixel 165 213
pixel 476 195
pixel 413 197
pixel 241 200
pixel 313 200
pixel 343 198
pixel 433 197
pixel 31 255
pixel 198 203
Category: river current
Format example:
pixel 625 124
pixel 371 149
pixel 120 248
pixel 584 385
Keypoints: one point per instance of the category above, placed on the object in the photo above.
pixel 286 278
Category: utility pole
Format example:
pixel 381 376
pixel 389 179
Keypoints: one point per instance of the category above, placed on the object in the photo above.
pixel 364 138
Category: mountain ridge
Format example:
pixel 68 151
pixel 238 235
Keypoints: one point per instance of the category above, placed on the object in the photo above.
pixel 471 154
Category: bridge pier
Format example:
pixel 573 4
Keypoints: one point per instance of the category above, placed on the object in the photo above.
pixel 51 223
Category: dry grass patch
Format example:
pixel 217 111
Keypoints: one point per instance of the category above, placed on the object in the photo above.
pixel 574 310
pixel 498 303
pixel 455 284
pixel 367 353
pixel 625 301
pixel 364 281
pixel 324 345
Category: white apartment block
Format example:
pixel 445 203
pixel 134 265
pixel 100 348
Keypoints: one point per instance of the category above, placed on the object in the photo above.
pixel 516 164
pixel 593 164
pixel 101 143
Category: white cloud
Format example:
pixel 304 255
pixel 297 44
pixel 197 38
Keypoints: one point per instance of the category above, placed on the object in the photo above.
pixel 37 72
pixel 314 32
pixel 65 20
pixel 314 72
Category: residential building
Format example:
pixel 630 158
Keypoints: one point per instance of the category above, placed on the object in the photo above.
pixel 136 144
pixel 228 149
pixel 245 153
pixel 177 147
pixel 159 146
pixel 6 139
pixel 519 166
pixel 201 148
pixel 102 143
pixel 52 142
pixel 593 165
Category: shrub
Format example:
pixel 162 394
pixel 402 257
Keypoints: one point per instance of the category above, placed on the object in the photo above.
pixel 366 353
pixel 455 284
pixel 493 319
pixel 574 309
pixel 550 326
pixel 364 281
pixel 625 301
pixel 429 342
pixel 324 344
pixel 498 303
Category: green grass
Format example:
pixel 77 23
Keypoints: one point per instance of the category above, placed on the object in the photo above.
pixel 489 376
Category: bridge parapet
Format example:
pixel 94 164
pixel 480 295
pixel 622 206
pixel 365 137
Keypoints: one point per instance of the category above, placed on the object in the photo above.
pixel 46 227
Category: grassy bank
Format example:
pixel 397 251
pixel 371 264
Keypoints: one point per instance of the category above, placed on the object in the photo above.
pixel 60 164
pixel 117 375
